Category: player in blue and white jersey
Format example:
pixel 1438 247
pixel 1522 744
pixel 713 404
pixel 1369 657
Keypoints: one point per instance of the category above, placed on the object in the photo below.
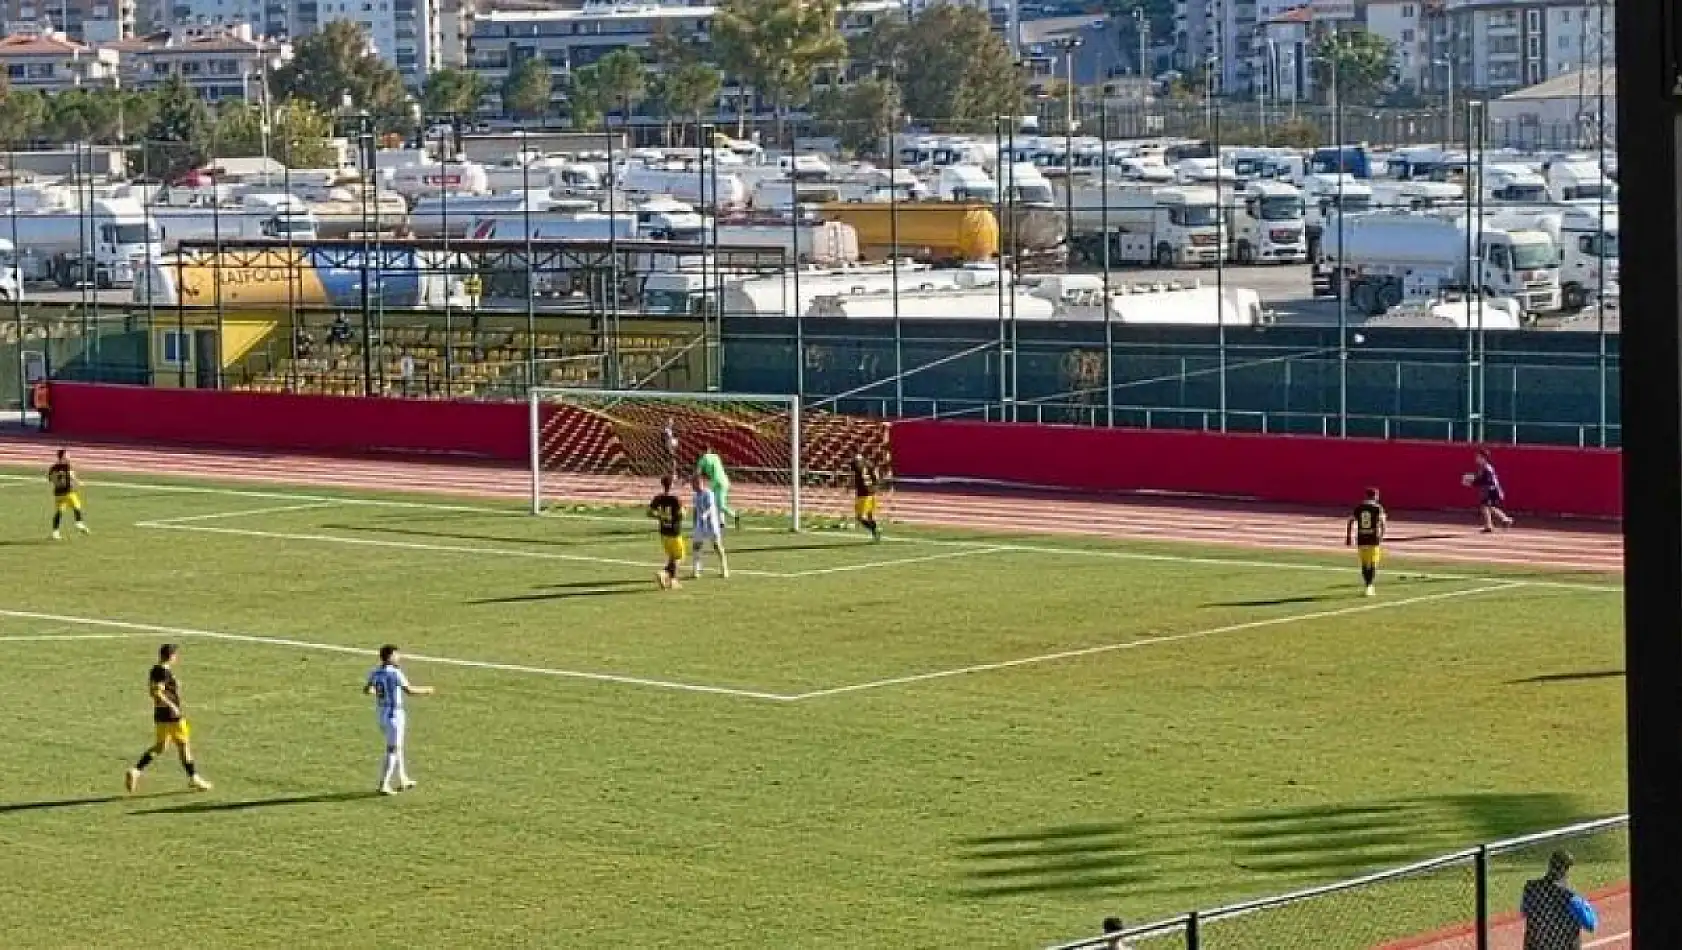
pixel 708 527
pixel 389 687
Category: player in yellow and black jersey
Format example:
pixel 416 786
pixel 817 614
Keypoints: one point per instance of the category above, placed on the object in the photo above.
pixel 1365 530
pixel 66 496
pixel 667 511
pixel 865 482
pixel 169 722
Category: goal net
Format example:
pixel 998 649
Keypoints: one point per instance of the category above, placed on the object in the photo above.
pixel 612 447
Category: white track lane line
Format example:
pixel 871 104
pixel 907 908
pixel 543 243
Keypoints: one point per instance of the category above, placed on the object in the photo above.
pixel 1157 641
pixel 137 629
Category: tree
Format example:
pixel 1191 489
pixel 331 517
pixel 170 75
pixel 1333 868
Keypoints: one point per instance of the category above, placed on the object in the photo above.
pixel 453 91
pixel 21 115
pixel 586 102
pixel 298 133
pixel 688 91
pixel 1364 61
pixel 179 137
pixel 526 91
pixel 953 70
pixel 776 46
pixel 860 114
pixel 624 80
pixel 335 67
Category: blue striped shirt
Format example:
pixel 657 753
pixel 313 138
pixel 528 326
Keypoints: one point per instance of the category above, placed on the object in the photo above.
pixel 388 683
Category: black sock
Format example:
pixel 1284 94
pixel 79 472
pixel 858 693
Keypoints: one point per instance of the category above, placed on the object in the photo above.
pixel 192 769
pixel 869 524
pixel 671 568
pixel 78 516
pixel 145 760
pixel 58 516
pixel 1369 574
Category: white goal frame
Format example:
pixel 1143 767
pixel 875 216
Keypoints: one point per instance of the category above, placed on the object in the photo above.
pixel 537 396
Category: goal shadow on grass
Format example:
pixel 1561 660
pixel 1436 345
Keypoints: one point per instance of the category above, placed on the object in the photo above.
pixel 1095 856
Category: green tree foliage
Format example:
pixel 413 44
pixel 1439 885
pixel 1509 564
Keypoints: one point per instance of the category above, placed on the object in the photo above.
pixel 1364 65
pixel 85 115
pixel 860 114
pixel 335 67
pixel 22 113
pixel 952 69
pixel 586 100
pixel 688 91
pixel 776 46
pixel 298 133
pixel 453 91
pixel 624 80
pixel 178 139
pixel 526 91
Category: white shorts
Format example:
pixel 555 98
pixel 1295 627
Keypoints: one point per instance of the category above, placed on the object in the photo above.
pixel 394 727
pixel 705 533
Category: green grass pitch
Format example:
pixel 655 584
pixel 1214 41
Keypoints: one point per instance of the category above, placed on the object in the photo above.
pixel 944 740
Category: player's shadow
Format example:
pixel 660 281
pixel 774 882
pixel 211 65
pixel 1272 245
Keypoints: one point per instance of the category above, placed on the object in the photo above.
pixel 1281 601
pixel 1579 676
pixel 205 807
pixel 574 589
pixel 9 807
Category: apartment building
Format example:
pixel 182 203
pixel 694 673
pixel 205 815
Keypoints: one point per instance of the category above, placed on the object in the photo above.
pixel 81 21
pixel 219 64
pixel 568 39
pixel 52 62
pixel 409 34
pixel 1496 46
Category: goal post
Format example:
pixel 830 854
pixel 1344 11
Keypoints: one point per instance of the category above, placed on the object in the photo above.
pixel 612 446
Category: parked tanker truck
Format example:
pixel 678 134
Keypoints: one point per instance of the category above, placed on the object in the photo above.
pixel 397 278
pixel 106 244
pixel 1146 225
pixel 1383 258
pixel 939 232
pixel 1588 248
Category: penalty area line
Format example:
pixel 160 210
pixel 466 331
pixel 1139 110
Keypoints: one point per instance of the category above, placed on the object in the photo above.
pixel 1156 641
pixel 135 629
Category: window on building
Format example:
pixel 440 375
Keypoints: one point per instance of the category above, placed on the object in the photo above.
pixel 1565 16
pixel 1533 47
pixel 1533 20
pixel 160 69
pixel 40 71
pixel 1407 36
pixel 1565 42
pixel 1407 11
pixel 1533 72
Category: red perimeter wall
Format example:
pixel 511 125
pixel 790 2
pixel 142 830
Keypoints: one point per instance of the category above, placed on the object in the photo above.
pixel 486 431
pixel 1286 469
pixel 1307 470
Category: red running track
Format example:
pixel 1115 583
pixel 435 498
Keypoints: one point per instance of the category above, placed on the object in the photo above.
pixel 1507 931
pixel 1545 545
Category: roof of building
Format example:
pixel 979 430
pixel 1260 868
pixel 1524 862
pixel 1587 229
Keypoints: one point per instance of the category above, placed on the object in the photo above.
pixel 24 44
pixel 1585 82
pixel 1052 29
pixel 1293 15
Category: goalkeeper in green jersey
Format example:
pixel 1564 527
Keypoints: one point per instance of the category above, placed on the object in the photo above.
pixel 710 467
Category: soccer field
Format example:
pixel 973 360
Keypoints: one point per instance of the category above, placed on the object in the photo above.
pixel 943 740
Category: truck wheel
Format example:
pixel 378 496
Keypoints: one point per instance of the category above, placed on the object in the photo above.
pixel 1164 256
pixel 1573 298
pixel 1365 298
pixel 1246 253
pixel 1389 296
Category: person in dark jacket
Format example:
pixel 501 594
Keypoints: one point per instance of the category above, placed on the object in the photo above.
pixel 1555 916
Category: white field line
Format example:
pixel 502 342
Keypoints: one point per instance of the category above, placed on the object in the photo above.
pixel 873 565
pixel 1046 549
pixel 1609 940
pixel 136 629
pixel 61 637
pixel 277 509
pixel 418 546
pixel 1159 641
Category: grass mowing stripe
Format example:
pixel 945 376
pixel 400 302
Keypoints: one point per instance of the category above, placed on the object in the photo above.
pixel 872 565
pixel 421 546
pixel 139 628
pixel 273 510
pixel 1156 641
pixel 1026 548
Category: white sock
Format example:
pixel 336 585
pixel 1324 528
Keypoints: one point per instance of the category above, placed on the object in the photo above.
pixel 391 766
pixel 402 768
pixel 695 561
